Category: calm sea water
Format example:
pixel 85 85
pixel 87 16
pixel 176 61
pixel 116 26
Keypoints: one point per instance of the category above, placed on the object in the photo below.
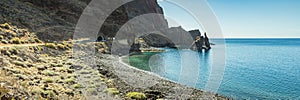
pixel 255 68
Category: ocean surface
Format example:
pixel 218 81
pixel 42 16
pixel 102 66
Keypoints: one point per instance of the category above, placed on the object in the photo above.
pixel 254 68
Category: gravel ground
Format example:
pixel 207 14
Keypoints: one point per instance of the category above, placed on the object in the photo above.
pixel 127 79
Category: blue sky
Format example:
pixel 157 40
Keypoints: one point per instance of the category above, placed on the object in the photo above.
pixel 244 18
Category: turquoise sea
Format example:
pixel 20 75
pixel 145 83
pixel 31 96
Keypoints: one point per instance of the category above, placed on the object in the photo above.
pixel 254 69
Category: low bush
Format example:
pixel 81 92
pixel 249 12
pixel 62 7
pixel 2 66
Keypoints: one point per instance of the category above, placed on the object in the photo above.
pixel 48 80
pixel 5 25
pixel 16 40
pixel 4 42
pixel 60 46
pixel 70 80
pixel 19 63
pixel 76 86
pixel 6 52
pixel 37 40
pixel 136 95
pixel 50 45
pixel 113 91
pixel 50 73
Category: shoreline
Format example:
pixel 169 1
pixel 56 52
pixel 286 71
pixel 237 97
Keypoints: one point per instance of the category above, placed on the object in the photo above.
pixel 184 92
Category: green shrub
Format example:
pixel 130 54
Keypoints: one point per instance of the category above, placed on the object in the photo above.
pixel 49 93
pixel 136 95
pixel 5 25
pixel 4 42
pixel 70 80
pixel 36 90
pixel 76 86
pixel 16 40
pixel 48 80
pixel 6 52
pixel 37 40
pixel 50 73
pixel 21 76
pixel 113 91
pixel 51 45
pixel 60 46
pixel 19 63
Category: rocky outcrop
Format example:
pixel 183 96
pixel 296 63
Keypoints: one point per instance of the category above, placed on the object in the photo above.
pixel 55 20
pixel 206 42
pixel 195 33
pixel 201 42
pixel 131 10
pixel 156 40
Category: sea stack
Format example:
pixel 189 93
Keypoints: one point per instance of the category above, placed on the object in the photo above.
pixel 206 42
pixel 200 42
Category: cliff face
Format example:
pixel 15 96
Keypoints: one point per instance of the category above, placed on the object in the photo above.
pixel 131 10
pixel 54 20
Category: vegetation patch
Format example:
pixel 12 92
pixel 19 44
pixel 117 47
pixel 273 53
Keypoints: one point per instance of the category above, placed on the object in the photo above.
pixel 37 40
pixel 136 95
pixel 50 45
pixel 113 91
pixel 60 46
pixel 1 37
pixel 19 63
pixel 76 86
pixel 16 40
pixel 50 73
pixel 4 42
pixel 48 80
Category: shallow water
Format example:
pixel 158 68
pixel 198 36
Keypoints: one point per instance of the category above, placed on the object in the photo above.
pixel 255 68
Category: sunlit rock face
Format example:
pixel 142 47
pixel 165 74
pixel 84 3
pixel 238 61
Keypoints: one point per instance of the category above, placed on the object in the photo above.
pixel 135 9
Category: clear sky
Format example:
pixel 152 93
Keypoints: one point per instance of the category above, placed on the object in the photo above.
pixel 244 18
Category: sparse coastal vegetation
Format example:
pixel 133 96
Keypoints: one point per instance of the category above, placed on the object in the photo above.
pixel 47 71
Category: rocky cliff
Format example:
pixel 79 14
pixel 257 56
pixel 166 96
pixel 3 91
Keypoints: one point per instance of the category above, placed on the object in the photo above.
pixel 131 10
pixel 54 20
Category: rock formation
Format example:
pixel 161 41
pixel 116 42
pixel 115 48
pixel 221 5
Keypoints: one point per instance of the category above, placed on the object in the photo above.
pixel 131 10
pixel 55 20
pixel 206 42
pixel 201 42
pixel 156 40
pixel 195 33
